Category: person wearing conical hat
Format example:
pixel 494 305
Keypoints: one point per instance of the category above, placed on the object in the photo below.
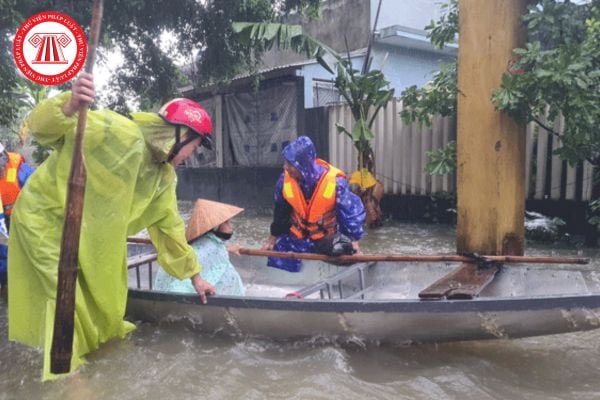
pixel 208 230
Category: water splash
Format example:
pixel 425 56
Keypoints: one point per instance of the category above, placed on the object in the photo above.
pixel 570 317
pixel 489 323
pixel 591 317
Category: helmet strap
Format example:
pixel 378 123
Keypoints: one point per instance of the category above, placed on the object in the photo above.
pixel 191 136
pixel 177 134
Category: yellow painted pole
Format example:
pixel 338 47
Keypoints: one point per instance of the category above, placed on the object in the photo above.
pixel 491 146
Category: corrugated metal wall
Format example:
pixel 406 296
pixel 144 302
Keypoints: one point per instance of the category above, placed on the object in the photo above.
pixel 401 156
pixel 399 149
pixel 547 176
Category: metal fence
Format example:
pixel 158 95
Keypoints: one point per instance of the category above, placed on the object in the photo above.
pixel 401 156
pixel 547 176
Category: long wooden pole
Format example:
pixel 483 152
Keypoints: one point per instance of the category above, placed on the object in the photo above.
pixel 397 257
pixel 62 339
pixel 414 258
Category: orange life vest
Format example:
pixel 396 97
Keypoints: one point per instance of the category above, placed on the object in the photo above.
pixel 9 184
pixel 317 218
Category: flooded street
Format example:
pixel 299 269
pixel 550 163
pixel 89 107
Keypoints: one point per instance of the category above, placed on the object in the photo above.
pixel 174 361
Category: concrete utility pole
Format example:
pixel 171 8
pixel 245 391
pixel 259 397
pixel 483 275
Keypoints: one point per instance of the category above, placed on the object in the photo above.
pixel 491 146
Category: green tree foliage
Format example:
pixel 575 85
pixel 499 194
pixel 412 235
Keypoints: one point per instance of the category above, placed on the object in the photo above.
pixel 437 97
pixel 134 27
pixel 442 161
pixel 445 29
pixel 24 96
pixel 557 72
pixel 8 76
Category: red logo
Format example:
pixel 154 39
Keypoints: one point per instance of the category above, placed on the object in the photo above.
pixel 50 48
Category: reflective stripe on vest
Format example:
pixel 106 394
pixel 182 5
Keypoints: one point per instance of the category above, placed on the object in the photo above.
pixel 317 218
pixel 9 184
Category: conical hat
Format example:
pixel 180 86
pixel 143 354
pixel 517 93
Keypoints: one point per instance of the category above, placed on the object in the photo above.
pixel 208 215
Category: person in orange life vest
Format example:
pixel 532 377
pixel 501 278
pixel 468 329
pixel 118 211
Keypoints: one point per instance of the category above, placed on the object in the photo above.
pixel 14 172
pixel 315 211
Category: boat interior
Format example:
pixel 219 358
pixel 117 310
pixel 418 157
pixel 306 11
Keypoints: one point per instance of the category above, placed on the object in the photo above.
pixel 390 280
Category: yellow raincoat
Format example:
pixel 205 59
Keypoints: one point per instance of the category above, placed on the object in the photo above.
pixel 129 187
pixel 363 178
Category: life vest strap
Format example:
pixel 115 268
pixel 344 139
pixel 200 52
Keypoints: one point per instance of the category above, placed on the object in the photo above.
pixel 315 230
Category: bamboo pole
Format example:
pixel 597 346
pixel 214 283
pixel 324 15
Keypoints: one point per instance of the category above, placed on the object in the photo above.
pixel 62 339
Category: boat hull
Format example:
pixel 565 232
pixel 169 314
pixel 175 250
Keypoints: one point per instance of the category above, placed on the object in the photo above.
pixel 381 321
pixel 379 303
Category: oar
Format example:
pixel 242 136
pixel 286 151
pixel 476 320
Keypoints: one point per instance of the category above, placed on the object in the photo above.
pixel 398 258
pixel 62 339
pixel 414 258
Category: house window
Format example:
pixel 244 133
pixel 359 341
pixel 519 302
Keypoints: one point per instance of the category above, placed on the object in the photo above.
pixel 325 93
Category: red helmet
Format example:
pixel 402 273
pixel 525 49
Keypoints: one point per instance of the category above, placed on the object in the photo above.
pixel 189 113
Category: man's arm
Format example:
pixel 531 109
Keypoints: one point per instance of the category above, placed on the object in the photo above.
pixel 281 216
pixel 350 211
pixel 53 118
pixel 167 233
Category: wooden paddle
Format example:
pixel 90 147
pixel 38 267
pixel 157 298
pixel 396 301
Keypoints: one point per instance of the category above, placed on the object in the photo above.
pixel 62 339
pixel 404 258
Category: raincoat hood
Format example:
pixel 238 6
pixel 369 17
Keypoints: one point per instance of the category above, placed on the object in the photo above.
pixel 301 154
pixel 158 134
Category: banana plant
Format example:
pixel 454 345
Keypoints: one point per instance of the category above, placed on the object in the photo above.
pixel 365 93
pixel 263 36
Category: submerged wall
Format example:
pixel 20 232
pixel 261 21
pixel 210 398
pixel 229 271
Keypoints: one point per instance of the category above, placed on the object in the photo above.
pixel 252 188
pixel 244 187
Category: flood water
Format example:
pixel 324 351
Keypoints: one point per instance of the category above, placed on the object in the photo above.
pixel 173 361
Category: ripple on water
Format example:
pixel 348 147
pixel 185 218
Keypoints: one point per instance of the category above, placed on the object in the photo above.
pixel 175 361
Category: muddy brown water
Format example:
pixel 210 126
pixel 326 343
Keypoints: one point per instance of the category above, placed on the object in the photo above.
pixel 173 361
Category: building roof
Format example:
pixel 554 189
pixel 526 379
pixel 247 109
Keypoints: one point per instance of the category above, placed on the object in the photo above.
pixel 411 38
pixel 292 69
pixel 246 79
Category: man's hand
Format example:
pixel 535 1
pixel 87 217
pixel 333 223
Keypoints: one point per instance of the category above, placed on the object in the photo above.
pixel 82 94
pixel 202 287
pixel 356 247
pixel 270 243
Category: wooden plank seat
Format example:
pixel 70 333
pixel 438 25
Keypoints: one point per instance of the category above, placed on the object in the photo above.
pixel 465 282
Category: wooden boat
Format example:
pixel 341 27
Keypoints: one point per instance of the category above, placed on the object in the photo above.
pixel 388 302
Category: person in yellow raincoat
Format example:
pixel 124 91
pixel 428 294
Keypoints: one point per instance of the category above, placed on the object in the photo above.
pixel 130 186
